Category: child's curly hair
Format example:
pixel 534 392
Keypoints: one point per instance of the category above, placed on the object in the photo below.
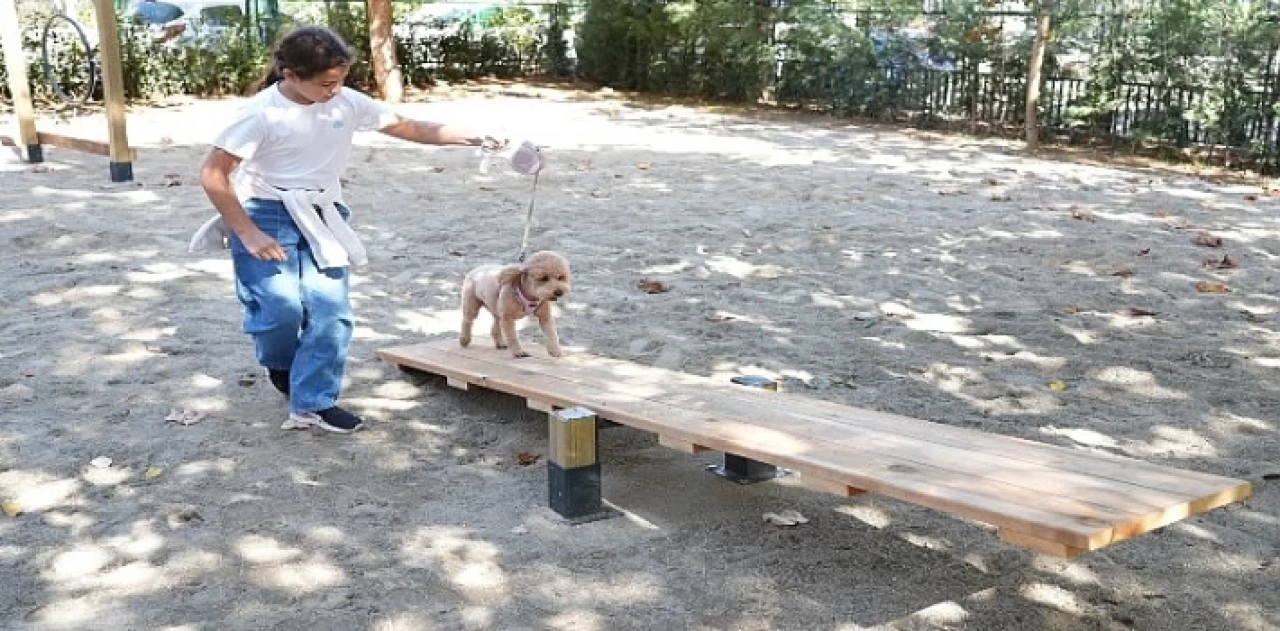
pixel 307 52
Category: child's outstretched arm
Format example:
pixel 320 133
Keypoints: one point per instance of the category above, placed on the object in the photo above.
pixel 428 133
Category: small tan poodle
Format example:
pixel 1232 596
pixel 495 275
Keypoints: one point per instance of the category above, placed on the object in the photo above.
pixel 512 292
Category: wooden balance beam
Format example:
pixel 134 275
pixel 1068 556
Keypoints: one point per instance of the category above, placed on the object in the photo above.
pixel 1050 499
pixel 81 145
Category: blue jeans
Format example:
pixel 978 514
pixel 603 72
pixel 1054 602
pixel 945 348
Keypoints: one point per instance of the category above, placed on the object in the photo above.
pixel 298 315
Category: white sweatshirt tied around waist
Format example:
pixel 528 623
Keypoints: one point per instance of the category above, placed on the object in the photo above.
pixel 333 242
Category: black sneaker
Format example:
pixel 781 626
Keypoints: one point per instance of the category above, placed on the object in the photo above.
pixel 336 419
pixel 279 379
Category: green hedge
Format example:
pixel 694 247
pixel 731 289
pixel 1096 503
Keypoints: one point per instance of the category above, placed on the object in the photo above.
pixel 233 63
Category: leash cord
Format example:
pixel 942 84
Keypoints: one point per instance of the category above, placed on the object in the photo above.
pixel 528 219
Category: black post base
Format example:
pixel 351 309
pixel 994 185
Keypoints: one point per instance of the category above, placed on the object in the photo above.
pixel 121 171
pixel 575 493
pixel 745 470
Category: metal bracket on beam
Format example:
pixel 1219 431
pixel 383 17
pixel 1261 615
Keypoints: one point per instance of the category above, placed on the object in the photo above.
pixel 741 469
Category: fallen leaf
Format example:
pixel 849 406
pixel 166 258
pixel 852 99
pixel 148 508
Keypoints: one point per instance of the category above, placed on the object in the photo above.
pixel 1134 312
pixel 152 473
pixel 1123 272
pixel 1207 240
pixel 1071 310
pixel 1226 263
pixel 653 286
pixel 786 518
pixel 101 462
pixel 184 417
pixel 1001 197
pixel 1250 198
pixel 1144 252
pixel 643 166
pixel 1057 386
pixel 526 458
pixel 1083 215
pixel 436 169
pixel 1210 287
pixel 992 181
pixel 488 189
pixel 13 509
pixel 599 194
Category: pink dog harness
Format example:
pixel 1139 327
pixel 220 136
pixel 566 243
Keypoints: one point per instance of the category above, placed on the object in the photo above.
pixel 529 305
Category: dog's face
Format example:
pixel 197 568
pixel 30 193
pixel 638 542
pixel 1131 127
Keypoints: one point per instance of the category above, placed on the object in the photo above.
pixel 546 276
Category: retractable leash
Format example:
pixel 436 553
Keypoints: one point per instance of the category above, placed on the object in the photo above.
pixel 526 159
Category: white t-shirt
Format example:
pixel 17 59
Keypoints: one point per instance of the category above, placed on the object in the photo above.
pixel 288 145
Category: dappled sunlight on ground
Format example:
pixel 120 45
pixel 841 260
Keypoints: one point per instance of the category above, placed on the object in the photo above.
pixel 940 277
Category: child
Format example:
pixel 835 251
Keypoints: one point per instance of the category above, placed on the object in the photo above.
pixel 290 243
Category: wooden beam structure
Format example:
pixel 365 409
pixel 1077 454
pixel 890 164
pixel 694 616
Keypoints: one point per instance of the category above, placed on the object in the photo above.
pixel 1051 499
pixel 113 91
pixel 29 139
pixel 15 61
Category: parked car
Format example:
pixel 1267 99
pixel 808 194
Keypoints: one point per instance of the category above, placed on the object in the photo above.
pixel 186 20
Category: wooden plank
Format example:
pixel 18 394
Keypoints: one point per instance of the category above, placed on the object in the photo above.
pixel 15 61
pixel 1077 523
pixel 541 406
pixel 621 395
pixel 460 384
pixel 61 141
pixel 1109 466
pixel 683 446
pixel 824 485
pixel 112 81
pixel 1138 501
pixel 1039 545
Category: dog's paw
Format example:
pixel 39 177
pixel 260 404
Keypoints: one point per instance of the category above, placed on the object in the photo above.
pixel 555 352
pixel 502 346
pixel 464 342
pixel 520 354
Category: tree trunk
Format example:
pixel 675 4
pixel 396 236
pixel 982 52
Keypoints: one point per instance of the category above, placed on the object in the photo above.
pixel 1033 75
pixel 382 48
pixel 764 25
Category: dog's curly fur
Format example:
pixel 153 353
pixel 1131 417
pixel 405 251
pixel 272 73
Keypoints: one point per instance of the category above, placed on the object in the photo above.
pixel 543 279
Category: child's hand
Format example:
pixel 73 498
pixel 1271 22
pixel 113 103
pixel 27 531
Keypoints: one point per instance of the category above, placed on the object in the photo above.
pixel 493 143
pixel 261 246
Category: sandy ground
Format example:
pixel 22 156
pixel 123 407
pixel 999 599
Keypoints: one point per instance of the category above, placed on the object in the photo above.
pixel 943 278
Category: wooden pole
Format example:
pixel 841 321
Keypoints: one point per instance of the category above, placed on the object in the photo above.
pixel 382 47
pixel 15 62
pixel 113 91
pixel 1033 75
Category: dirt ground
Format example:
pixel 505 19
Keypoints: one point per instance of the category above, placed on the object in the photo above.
pixel 944 278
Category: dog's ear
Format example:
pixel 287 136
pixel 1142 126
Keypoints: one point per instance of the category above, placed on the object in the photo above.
pixel 510 275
